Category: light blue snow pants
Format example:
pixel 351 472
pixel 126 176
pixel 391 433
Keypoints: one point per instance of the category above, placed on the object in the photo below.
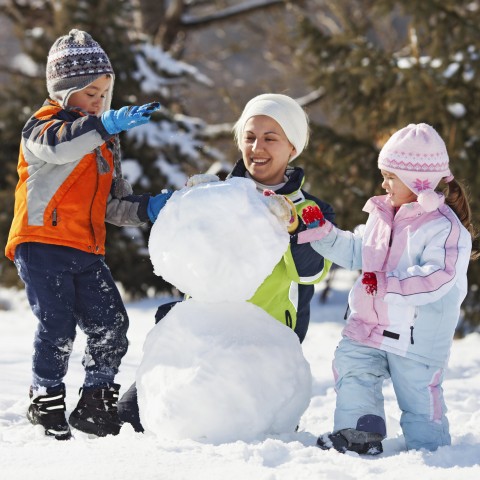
pixel 359 374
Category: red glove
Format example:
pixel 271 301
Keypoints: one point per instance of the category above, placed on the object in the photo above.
pixel 313 217
pixel 370 281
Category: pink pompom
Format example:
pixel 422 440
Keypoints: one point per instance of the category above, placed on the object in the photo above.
pixel 429 200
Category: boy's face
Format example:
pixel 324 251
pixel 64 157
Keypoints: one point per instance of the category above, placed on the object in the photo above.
pixel 92 98
pixel 398 193
pixel 265 149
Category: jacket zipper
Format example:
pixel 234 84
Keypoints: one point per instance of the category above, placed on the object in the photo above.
pixel 54 217
pixel 95 246
pixel 412 342
pixel 288 319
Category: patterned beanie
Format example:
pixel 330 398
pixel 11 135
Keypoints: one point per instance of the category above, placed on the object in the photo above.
pixel 418 156
pixel 285 111
pixel 74 61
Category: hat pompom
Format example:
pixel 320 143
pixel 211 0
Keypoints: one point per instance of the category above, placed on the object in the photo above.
pixel 429 200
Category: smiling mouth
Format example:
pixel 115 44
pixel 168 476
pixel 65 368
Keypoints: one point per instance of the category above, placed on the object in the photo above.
pixel 259 161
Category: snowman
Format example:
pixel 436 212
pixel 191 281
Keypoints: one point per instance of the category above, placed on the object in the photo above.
pixel 218 368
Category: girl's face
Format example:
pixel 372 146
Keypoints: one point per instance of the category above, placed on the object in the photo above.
pixel 265 150
pixel 92 98
pixel 397 192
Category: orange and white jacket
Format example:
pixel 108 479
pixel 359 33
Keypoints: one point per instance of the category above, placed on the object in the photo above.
pixel 62 196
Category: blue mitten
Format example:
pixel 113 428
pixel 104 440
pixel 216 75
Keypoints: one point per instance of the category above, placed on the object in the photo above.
pixel 156 203
pixel 115 121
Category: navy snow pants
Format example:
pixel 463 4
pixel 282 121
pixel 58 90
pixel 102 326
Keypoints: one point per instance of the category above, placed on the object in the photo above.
pixel 67 287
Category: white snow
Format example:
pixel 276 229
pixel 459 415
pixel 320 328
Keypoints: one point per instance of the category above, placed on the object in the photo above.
pixel 24 63
pixel 216 359
pixel 451 70
pixel 237 373
pixel 217 241
pixel 458 110
pixel 202 388
pixel 26 453
pixel 151 59
pixel 132 170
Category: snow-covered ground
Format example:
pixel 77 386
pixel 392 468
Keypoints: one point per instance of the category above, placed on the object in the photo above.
pixel 26 453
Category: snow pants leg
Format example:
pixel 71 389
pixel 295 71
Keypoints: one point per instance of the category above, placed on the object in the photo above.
pixel 359 373
pixel 67 287
pixel 419 392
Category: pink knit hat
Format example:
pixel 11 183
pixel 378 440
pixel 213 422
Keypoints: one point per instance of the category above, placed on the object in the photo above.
pixel 418 156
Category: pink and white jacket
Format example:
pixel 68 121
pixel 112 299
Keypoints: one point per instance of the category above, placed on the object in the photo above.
pixel 420 260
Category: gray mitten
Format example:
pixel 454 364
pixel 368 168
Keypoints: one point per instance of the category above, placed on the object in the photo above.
pixel 201 178
pixel 283 208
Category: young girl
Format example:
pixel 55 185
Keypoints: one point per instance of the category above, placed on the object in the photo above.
pixel 70 183
pixel 414 252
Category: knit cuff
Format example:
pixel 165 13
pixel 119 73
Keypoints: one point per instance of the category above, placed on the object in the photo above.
pixel 142 207
pixel 313 234
pixel 101 129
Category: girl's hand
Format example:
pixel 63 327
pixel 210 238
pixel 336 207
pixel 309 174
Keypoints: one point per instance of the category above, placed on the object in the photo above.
pixel 369 280
pixel 313 217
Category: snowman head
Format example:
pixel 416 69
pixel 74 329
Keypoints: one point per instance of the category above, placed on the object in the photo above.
pixel 217 241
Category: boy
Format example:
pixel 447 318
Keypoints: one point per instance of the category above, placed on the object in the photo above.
pixel 70 183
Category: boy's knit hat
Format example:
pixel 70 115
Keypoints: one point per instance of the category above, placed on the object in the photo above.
pixel 74 61
pixel 285 111
pixel 418 156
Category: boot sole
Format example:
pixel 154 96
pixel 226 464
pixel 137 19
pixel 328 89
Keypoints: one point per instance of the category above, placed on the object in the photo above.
pixel 50 432
pixel 92 428
pixel 368 448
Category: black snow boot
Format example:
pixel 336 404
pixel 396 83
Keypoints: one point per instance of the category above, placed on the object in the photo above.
pixel 49 411
pixel 349 439
pixel 96 412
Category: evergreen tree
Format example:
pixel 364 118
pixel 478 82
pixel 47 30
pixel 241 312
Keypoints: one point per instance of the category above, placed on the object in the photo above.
pixel 384 64
pixel 160 155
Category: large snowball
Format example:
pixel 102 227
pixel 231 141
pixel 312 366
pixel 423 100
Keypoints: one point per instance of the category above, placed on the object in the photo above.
pixel 217 241
pixel 221 372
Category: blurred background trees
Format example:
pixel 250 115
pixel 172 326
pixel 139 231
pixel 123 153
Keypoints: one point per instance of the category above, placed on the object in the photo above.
pixel 361 68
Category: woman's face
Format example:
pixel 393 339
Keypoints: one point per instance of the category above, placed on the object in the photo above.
pixel 398 193
pixel 265 150
pixel 92 98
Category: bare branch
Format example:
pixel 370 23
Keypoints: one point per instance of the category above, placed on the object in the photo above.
pixel 230 12
pixel 312 97
pixel 224 130
pixel 176 19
